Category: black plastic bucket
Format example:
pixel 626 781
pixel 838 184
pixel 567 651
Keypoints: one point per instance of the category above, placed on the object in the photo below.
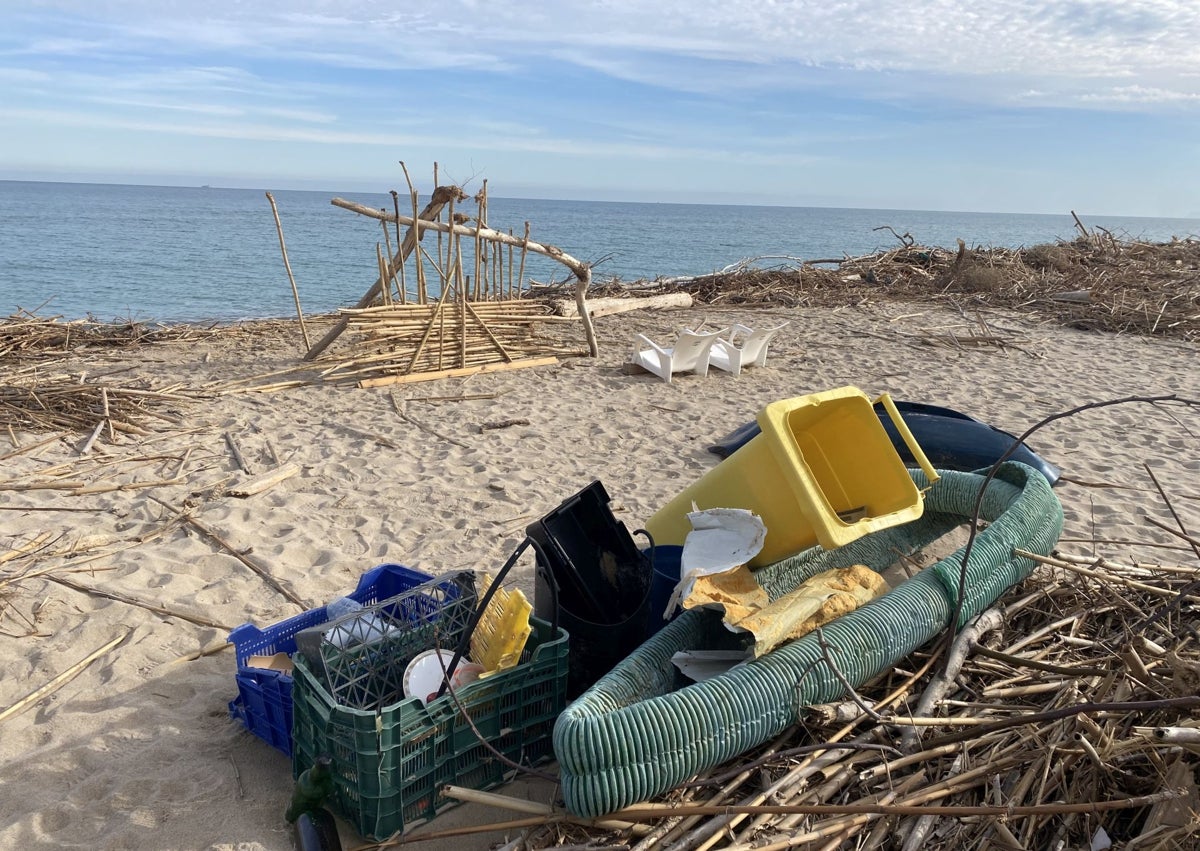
pixel 594 582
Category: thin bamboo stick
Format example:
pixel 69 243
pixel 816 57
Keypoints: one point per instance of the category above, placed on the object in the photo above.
pixel 288 267
pixel 62 679
pixel 385 292
pixel 198 620
pixel 259 569
pixel 456 373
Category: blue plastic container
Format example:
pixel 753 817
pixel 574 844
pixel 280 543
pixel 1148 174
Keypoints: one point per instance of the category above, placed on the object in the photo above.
pixel 264 701
pixel 667 559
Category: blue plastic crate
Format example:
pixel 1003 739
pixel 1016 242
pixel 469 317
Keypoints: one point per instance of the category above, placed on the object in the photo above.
pixel 264 701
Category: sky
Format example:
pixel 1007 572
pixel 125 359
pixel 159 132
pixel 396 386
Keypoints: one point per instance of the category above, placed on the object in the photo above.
pixel 998 106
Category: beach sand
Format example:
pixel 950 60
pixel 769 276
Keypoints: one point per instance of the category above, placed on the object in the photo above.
pixel 138 750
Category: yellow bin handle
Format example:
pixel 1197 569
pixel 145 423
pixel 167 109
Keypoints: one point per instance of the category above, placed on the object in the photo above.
pixel 909 440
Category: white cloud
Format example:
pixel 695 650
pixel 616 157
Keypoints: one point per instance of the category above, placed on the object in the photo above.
pixel 466 137
pixel 755 93
pixel 1141 95
pixel 1051 47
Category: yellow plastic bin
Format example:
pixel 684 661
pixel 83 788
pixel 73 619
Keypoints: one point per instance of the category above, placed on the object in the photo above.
pixel 823 471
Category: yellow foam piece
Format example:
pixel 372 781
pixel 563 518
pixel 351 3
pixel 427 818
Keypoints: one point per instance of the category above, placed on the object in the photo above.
pixel 500 637
pixel 814 603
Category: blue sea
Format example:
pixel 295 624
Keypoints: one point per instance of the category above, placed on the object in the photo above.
pixel 197 254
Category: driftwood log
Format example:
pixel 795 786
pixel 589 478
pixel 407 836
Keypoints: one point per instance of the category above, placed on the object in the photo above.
pixel 608 306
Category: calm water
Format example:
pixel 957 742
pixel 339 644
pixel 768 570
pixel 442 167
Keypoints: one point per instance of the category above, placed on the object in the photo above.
pixel 194 254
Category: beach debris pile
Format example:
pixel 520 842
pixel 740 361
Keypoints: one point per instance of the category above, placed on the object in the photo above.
pixel 1096 282
pixel 26 336
pixel 1063 716
pixel 32 400
pixel 36 397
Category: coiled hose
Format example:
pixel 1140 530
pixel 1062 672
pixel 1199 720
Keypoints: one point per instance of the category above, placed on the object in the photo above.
pixel 636 733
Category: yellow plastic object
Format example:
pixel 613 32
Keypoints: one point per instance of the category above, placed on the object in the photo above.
pixel 500 637
pixel 823 471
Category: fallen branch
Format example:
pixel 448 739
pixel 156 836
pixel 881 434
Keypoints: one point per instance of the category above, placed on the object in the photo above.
pixel 229 548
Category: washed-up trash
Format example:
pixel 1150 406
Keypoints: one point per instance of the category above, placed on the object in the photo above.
pixel 353 630
pixel 821 471
pixel 424 674
pixel 500 636
pixel 735 592
pixel 721 539
pixel 745 606
pixel 812 604
pixel 700 665
pixel 592 581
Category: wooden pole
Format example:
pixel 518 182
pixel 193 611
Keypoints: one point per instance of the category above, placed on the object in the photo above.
pixel 581 286
pixel 420 265
pixel 510 271
pixel 553 252
pixel 439 236
pixel 391 270
pixel 288 267
pixel 455 373
pixel 385 292
pixel 403 283
pixel 524 253
pixel 432 210
pixel 480 218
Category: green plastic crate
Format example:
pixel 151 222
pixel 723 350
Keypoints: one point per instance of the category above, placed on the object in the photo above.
pixel 390 766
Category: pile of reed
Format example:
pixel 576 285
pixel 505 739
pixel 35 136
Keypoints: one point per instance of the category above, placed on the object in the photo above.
pixel 1095 282
pixel 1067 713
pixel 32 399
pixel 25 336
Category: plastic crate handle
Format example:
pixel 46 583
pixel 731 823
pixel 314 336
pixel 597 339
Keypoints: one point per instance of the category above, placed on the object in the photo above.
pixel 464 643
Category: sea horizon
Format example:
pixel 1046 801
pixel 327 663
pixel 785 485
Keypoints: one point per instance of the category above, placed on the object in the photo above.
pixel 1083 214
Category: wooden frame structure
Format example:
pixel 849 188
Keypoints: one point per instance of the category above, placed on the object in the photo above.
pixel 458 307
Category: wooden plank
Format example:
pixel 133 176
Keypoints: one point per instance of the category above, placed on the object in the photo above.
pixel 263 482
pixel 455 373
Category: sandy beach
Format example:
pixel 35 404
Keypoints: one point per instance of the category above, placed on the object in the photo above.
pixel 138 750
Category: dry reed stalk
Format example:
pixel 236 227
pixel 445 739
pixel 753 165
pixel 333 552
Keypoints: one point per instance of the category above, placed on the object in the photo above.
pixel 61 679
pixel 165 611
pixel 288 267
pixel 259 569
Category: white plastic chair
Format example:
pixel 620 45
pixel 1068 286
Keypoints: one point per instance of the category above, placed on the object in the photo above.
pixel 728 355
pixel 689 354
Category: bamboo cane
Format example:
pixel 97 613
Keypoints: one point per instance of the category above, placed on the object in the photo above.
pixel 288 267
pixel 441 195
pixel 62 679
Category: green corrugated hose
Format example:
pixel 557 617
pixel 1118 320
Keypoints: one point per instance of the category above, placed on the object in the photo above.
pixel 636 733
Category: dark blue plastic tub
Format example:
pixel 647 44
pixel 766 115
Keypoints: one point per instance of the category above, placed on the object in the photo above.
pixel 662 585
